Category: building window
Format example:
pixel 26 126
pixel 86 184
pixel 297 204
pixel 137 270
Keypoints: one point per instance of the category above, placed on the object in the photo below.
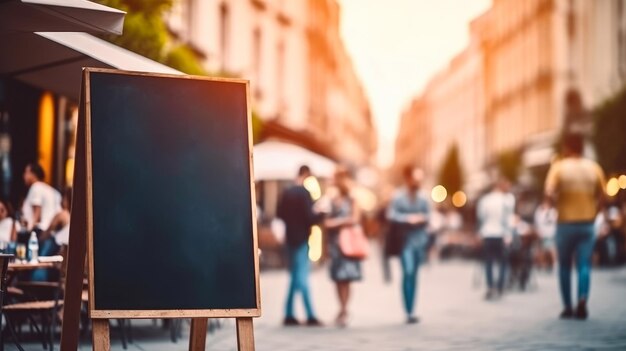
pixel 256 57
pixel 280 76
pixel 224 35
pixel 621 38
pixel 190 19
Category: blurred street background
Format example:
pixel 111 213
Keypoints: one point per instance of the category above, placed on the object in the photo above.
pixel 465 90
pixel 451 307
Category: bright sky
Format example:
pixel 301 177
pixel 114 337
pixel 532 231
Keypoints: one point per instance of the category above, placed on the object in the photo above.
pixel 397 45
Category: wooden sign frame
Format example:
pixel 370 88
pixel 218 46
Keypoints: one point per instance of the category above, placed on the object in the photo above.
pixel 81 242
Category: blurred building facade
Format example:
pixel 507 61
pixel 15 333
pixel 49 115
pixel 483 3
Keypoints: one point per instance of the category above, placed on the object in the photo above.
pixel 529 65
pixel 414 139
pixel 303 83
pixel 599 50
pixel 449 113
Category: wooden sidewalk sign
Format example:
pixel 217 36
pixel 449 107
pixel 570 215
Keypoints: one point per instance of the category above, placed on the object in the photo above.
pixel 164 207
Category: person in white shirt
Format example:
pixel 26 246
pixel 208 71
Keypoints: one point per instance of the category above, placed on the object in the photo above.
pixel 42 202
pixel 495 212
pixel 545 225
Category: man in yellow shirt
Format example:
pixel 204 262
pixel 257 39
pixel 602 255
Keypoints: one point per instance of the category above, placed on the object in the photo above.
pixel 577 186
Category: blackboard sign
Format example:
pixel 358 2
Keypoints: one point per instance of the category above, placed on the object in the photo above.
pixel 169 195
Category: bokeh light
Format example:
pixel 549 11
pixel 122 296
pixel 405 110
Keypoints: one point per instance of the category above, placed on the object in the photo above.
pixel 612 187
pixel 459 199
pixel 315 244
pixel 313 186
pixel 622 181
pixel 439 194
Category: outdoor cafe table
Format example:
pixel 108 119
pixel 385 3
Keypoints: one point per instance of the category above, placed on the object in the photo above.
pixel 19 267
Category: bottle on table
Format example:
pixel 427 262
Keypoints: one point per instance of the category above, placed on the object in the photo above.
pixel 33 247
pixel 23 233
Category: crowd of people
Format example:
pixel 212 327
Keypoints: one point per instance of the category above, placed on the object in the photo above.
pixel 571 222
pixel 44 211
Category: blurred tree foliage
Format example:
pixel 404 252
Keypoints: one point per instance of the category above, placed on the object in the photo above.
pixel 608 135
pixel 146 33
pixel 510 164
pixel 183 59
pixel 451 173
pixel 257 127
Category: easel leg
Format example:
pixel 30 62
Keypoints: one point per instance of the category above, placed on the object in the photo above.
pixel 100 335
pixel 197 337
pixel 245 334
pixel 77 248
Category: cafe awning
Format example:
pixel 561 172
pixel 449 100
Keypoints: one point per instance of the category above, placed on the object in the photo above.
pixel 59 16
pixel 54 61
pixel 275 160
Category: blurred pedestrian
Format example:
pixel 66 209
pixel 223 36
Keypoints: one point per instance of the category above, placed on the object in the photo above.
pixel 410 210
pixel 42 201
pixel 545 224
pixel 610 240
pixel 577 186
pixel 41 204
pixel 495 212
pixel 295 208
pixel 343 270
pixel 437 229
pixel 520 252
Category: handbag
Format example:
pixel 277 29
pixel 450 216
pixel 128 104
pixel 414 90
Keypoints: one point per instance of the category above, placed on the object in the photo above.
pixel 353 243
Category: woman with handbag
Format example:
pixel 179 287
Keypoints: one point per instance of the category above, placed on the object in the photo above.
pixel 343 221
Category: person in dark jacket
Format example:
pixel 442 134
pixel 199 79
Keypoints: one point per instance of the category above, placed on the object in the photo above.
pixel 295 208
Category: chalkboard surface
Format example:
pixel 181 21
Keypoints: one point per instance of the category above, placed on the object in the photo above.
pixel 171 193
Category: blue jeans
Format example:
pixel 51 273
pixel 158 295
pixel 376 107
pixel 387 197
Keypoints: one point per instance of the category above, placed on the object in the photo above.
pixel 494 252
pixel 578 239
pixel 299 269
pixel 410 258
pixel 47 247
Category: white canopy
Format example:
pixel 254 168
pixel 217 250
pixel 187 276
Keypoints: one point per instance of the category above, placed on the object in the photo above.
pixel 274 160
pixel 54 60
pixel 59 16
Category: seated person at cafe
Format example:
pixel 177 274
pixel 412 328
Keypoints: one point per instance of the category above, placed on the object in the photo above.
pixel 56 235
pixel 7 225
pixel 60 225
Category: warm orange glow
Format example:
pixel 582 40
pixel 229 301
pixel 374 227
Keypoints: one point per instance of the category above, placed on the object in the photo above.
pixel 612 187
pixel 46 133
pixel 69 172
pixel 622 181
pixel 459 199
pixel 315 244
pixel 313 186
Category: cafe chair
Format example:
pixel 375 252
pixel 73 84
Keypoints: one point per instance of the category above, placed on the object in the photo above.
pixel 4 266
pixel 42 307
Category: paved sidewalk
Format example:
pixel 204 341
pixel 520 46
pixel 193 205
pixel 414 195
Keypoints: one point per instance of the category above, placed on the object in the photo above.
pixel 454 316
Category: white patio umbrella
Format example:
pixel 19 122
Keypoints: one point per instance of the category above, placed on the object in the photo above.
pixel 59 16
pixel 54 61
pixel 275 160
